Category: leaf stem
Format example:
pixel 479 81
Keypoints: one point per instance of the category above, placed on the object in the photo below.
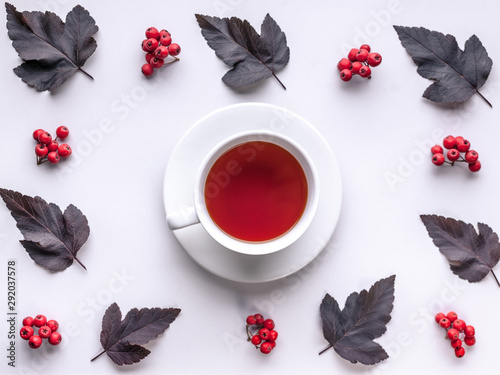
pixel 281 83
pixel 324 350
pixel 84 72
pixel 486 100
pixel 97 356
pixel 495 276
pixel 80 263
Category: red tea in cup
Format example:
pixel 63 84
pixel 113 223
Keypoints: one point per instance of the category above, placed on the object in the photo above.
pixel 256 191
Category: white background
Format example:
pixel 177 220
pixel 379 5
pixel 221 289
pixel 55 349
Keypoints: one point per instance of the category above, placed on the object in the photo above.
pixel 379 129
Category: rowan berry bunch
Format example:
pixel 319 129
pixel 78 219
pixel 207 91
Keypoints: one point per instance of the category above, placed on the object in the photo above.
pixel 457 332
pixel 48 149
pixel 456 146
pixel 47 329
pixel 358 61
pixel 158 46
pixel 265 336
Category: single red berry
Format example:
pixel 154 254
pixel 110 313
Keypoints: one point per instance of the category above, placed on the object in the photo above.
pixel 469 331
pixel 149 56
pixel 449 142
pixel 438 159
pixel 366 47
pixel 362 55
pixel 37 133
pixel 26 332
pixel 251 320
pixel 161 52
pixel 470 340
pixel 352 54
pixel 53 325
pixel 259 319
pixel 144 46
pixel 41 151
pixel 147 69
pixel 439 316
pixel 28 321
pixel 474 167
pixel 62 132
pixel 374 59
pixel 53 157
pixel 55 338
pixel 463 145
pixel 365 71
pixel 456 343
pixel 345 75
pixel 459 325
pixel 453 334
pixel 264 333
pixel 174 49
pixel 273 344
pixel 453 154
pixel 459 138
pixel 151 44
pixel 44 138
pixel 44 332
pixel 256 340
pixel 459 351
pixel 35 342
pixel 471 156
pixel 273 335
pixel 344 63
pixel 152 32
pixel 40 320
pixel 64 150
pixel 156 62
pixel 53 146
pixel 266 347
pixel 445 323
pixel 165 39
pixel 356 66
pixel 163 32
pixel 452 316
pixel 436 149
pixel 269 324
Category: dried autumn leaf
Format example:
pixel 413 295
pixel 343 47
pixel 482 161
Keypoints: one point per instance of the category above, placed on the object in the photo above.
pixel 471 255
pixel 253 58
pixel 51 238
pixel 122 339
pixel 51 49
pixel 457 74
pixel 365 315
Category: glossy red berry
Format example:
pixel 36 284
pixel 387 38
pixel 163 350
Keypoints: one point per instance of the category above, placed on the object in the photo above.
pixel 41 151
pixel 365 71
pixel 256 340
pixel 453 154
pixel 362 55
pixel 374 59
pixel 35 342
pixel 445 323
pixel 273 344
pixel 53 325
pixel 459 325
pixel 452 316
pixel 344 63
pixel 470 340
pixel 356 66
pixel 449 142
pixel 251 320
pixel 352 54
pixel 438 159
pixel 259 319
pixel 346 75
pixel 474 167
pixel 469 331
pixel 436 149
pixel 53 157
pixel 64 150
pixel 266 347
pixel 453 334
pixel 45 138
pixel 44 332
pixel 263 333
pixel 156 62
pixel 273 335
pixel 439 316
pixel 26 332
pixel 37 133
pixel 152 32
pixel 40 320
pixel 55 338
pixel 28 321
pixel 161 52
pixel 456 343
pixel 463 145
pixel 151 44
pixel 174 49
pixel 165 39
pixel 269 324
pixel 53 146
pixel 459 351
pixel 149 56
pixel 147 69
pixel 471 156
pixel 366 47
pixel 62 132
pixel 144 46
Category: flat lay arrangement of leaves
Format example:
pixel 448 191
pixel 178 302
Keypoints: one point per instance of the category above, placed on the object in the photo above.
pixel 457 74
pixel 52 50
pixel 253 58
pixel 471 255
pixel 122 339
pixel 350 332
pixel 51 238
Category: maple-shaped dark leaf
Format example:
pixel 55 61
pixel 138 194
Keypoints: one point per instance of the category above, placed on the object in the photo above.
pixel 471 255
pixel 122 339
pixel 51 49
pixel 457 74
pixel 51 238
pixel 253 58
pixel 365 315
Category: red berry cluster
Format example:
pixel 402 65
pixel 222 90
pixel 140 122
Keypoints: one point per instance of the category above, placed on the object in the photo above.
pixel 265 338
pixel 48 149
pixel 457 331
pixel 158 46
pixel 455 146
pixel 358 61
pixel 46 330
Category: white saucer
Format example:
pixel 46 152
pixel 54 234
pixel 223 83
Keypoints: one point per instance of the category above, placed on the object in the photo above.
pixel 179 187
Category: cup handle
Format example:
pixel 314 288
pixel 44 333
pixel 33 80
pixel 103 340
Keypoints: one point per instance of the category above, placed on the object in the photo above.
pixel 182 218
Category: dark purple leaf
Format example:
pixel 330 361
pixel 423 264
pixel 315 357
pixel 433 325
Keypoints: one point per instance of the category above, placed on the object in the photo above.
pixel 253 58
pixel 51 238
pixel 121 339
pixel 471 255
pixel 457 74
pixel 51 49
pixel 365 315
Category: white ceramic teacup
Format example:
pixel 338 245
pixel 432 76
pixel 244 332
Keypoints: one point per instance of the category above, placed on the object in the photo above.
pixel 198 213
